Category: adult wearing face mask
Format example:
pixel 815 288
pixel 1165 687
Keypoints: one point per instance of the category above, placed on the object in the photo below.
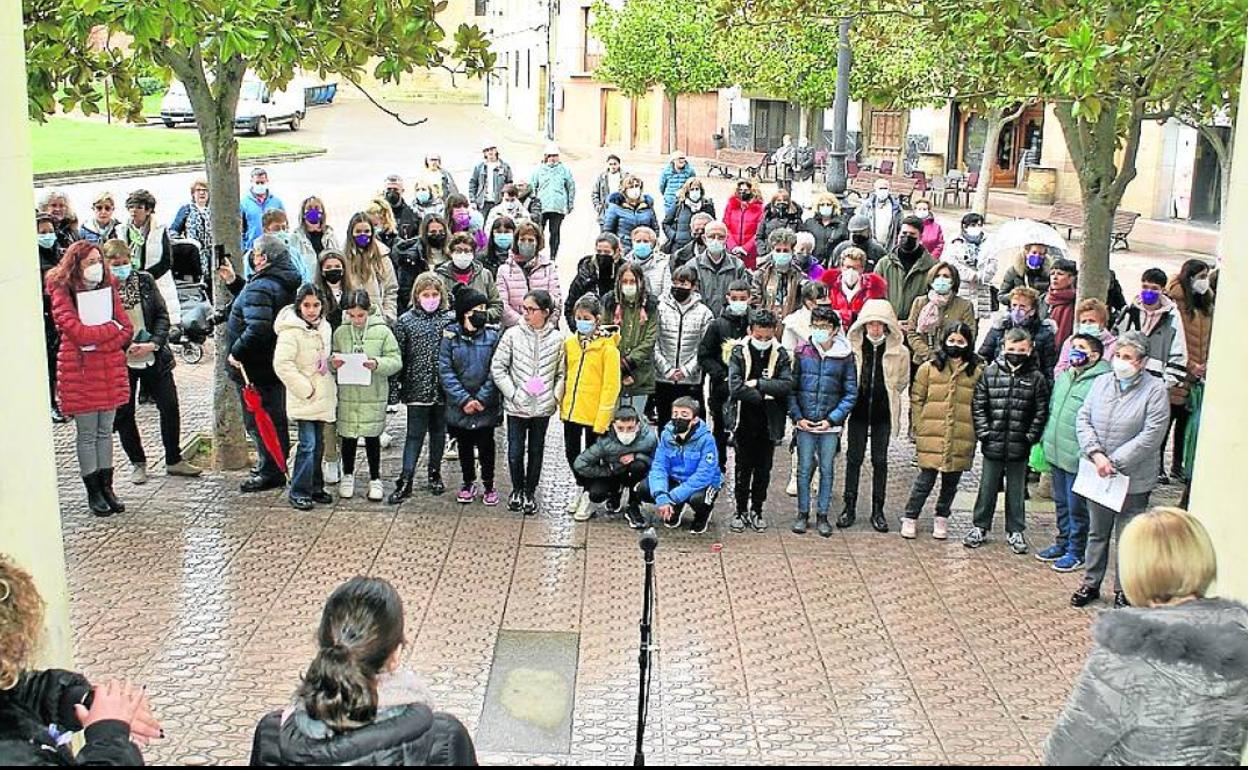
pixel 655 264
pixel 1060 299
pixel 595 274
pixel 426 201
pixel 850 286
pixel 1061 449
pixel 678 171
pixel 883 213
pixel 678 222
pixel 778 282
pixel 528 267
pixel 1023 313
pixel 932 237
pixel 1193 297
pixel 743 215
pixel 1091 318
pixel 554 187
pixel 485 186
pixel 49 257
pixel 405 216
pixel 905 269
pixel 728 328
pixel 628 210
pixel 1030 268
pixel 502 239
pixel 55 204
pixel 1121 429
pixel 883 376
pixel 607 183
pixel 717 269
pixel 976 268
pixel 782 212
pixel 511 207
pixel 827 226
pixel 465 271
pixel 253 205
pixel 803 256
pixel 932 313
pixel 859 237
pixel 696 247
pixel 312 235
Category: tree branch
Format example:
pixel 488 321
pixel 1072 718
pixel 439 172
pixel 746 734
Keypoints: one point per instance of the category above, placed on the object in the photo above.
pixel 391 113
pixel 1129 152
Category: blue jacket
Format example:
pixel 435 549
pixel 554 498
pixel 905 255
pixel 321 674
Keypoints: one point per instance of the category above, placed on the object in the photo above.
pixel 252 211
pixel 824 387
pixel 249 329
pixel 622 220
pixel 671 180
pixel 464 366
pixel 554 187
pixel 693 464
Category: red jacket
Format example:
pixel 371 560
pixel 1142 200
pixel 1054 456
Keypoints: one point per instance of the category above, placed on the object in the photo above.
pixel 90 380
pixel 870 286
pixel 742 220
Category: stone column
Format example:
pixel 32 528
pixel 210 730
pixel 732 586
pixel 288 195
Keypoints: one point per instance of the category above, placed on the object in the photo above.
pixel 30 518
pixel 1218 493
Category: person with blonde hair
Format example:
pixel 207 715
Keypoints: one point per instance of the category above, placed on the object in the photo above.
pixel 369 266
pixel 55 203
pixel 385 226
pixel 1166 683
pixel 827 226
pixel 102 225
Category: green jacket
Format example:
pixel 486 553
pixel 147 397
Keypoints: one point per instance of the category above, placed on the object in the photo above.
pixel 904 287
pixel 637 339
pixel 362 408
pixel 1070 390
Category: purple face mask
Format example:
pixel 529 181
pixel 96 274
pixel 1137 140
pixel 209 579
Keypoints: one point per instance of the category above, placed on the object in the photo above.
pixel 363 239
pixel 314 216
pixel 1035 261
pixel 462 218
pixel 1150 296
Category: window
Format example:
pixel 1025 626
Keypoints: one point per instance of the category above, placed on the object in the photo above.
pixel 482 7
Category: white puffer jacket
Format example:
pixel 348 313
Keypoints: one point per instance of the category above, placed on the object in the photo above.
pixel 523 355
pixel 300 363
pixel 681 328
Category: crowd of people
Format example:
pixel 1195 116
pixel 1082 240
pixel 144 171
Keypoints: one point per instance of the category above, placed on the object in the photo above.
pixel 685 338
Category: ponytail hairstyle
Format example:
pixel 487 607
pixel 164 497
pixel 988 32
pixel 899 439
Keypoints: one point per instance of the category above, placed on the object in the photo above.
pixel 361 628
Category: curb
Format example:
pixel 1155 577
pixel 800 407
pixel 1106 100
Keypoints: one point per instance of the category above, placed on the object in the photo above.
pixel 59 178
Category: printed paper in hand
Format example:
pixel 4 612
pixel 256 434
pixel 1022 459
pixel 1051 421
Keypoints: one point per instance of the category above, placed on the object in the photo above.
pixel 352 372
pixel 1110 492
pixel 95 307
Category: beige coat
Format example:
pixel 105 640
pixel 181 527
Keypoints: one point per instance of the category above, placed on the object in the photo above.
pixel 896 359
pixel 940 411
pixel 958 310
pixel 300 363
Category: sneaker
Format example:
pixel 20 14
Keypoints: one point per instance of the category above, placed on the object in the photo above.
pixel 529 505
pixel 1052 553
pixel 1084 596
pixel 436 486
pixel 515 501
pixel 332 472
pixel 613 505
pixel 375 491
pixel 701 525
pixel 677 519
pixel 1120 600
pixel 452 449
pixel 386 439
pixel 346 487
pixel 302 503
pixel 757 521
pixel 183 468
pixel 58 416
pixel 909 528
pixel 575 503
pixel 738 522
pixel 467 493
pixel 634 517
pixel 940 528
pixel 585 509
pixel 800 523
pixel 1067 563
pixel 262 484
pixel 322 497
pixel 791 489
pixel 138 473
pixel 491 497
pixel 1018 543
pixel 975 538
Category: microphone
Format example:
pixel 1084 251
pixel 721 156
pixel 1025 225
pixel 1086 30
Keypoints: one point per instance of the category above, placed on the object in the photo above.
pixel 649 540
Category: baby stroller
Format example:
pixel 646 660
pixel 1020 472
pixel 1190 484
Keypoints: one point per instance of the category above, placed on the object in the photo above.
pixel 196 301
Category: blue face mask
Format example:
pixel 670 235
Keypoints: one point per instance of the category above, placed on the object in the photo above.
pixel 1078 358
pixel 1092 330
pixel 122 272
pixel 820 336
pixel 584 326
pixel 47 240
pixel 942 285
pixel 642 250
pixel 782 258
pixel 504 240
pixel 422 196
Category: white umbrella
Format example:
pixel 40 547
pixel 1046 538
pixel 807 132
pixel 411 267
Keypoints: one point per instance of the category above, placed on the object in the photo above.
pixel 1010 238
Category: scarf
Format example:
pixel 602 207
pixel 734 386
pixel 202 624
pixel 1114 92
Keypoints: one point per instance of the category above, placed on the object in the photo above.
pixel 1061 304
pixel 138 243
pixel 930 315
pixel 131 295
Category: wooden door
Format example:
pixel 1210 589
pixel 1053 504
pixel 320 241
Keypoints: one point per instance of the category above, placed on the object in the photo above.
pixel 886 136
pixel 696 120
pixel 615 118
pixel 643 122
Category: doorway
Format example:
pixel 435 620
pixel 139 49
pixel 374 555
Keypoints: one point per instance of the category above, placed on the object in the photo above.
pixel 771 120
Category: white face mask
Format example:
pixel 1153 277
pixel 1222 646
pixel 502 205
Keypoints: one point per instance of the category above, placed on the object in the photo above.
pixel 1201 285
pixel 633 193
pixel 1123 369
pixel 695 195
pixel 462 261
pixel 626 438
pixel 260 190
pixel 629 290
pixel 923 214
pixel 874 339
pixel 760 344
pixel 850 276
pixel 94 273
pixel 974 232
pixel 881 194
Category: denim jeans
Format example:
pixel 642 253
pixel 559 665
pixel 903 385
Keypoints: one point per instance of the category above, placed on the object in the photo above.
pixel 421 421
pixel 526 441
pixel 307 477
pixel 1072 514
pixel 812 448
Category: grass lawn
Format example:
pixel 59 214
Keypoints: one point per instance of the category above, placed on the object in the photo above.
pixel 64 144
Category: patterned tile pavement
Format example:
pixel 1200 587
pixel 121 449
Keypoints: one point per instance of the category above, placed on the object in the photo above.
pixel 773 648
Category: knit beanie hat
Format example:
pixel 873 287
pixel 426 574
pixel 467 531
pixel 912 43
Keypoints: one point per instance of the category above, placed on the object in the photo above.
pixel 466 298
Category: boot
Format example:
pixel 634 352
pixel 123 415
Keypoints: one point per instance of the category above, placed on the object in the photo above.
pixel 95 499
pixel 105 476
pixel 825 529
pixel 402 489
pixel 847 517
pixel 799 523
pixel 1044 490
pixel 878 521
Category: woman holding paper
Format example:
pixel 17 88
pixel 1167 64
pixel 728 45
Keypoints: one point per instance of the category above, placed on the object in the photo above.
pixel 91 363
pixel 1121 428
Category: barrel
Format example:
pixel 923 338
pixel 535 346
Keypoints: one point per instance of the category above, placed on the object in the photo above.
pixel 1041 185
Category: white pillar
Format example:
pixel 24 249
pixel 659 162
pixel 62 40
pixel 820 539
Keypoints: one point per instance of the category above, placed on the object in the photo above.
pixel 1218 494
pixel 30 518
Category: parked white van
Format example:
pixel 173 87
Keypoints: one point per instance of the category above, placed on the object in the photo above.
pixel 259 107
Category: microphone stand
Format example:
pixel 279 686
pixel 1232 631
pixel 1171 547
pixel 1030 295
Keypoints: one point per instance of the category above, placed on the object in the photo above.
pixel 648 541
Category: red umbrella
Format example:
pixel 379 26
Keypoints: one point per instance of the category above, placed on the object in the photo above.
pixel 264 423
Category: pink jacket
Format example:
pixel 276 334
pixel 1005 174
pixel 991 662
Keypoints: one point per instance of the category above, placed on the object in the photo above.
pixel 932 238
pixel 514 282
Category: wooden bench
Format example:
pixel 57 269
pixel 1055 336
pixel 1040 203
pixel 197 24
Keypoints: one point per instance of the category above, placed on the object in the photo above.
pixel 737 163
pixel 901 186
pixel 1069 216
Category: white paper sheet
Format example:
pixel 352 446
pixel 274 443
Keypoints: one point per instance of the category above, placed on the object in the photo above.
pixel 95 307
pixel 1110 492
pixel 352 372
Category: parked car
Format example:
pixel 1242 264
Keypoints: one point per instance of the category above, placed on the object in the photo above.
pixel 259 107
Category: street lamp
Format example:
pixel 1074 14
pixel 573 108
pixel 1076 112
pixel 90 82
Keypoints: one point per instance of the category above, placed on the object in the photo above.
pixel 837 179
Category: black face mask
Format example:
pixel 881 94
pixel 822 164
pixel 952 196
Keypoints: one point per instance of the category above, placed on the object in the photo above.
pixel 745 195
pixel 681 294
pixel 333 276
pixel 780 208
pixel 860 239
pixel 908 243
pixel 437 240
pixel 956 351
pixel 478 319
pixel 1017 359
pixel 393 198
pixel 681 424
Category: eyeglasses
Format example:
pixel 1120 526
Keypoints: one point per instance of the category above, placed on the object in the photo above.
pixel 103 207
pixel 530 309
pixel 461 253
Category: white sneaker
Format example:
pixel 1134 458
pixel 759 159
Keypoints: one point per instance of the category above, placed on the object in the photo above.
pixel 332 472
pixel 386 439
pixel 346 487
pixel 138 473
pixel 940 528
pixel 584 511
pixel 575 503
pixel 791 489
pixel 909 527
pixel 452 449
pixel 375 492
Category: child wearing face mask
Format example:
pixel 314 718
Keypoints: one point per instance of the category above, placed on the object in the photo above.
pixel 528 267
pixel 976 268
pixel 474 406
pixel 932 237
pixel 1030 268
pixel 463 219
pixel 593 366
pixel 617 462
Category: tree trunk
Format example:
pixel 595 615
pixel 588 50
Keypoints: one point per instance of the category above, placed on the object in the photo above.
pixel 996 121
pixel 672 144
pixel 215 106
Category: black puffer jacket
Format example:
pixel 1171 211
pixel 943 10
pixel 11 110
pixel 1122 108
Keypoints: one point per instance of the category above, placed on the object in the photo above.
pixel 416 737
pixel 1043 341
pixel 678 224
pixel 45 698
pixel 408 256
pixel 590 278
pixel 828 237
pixel 1010 409
pixel 716 346
pixel 790 217
pixel 249 330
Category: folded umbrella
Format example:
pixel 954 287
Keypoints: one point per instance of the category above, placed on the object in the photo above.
pixel 264 423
